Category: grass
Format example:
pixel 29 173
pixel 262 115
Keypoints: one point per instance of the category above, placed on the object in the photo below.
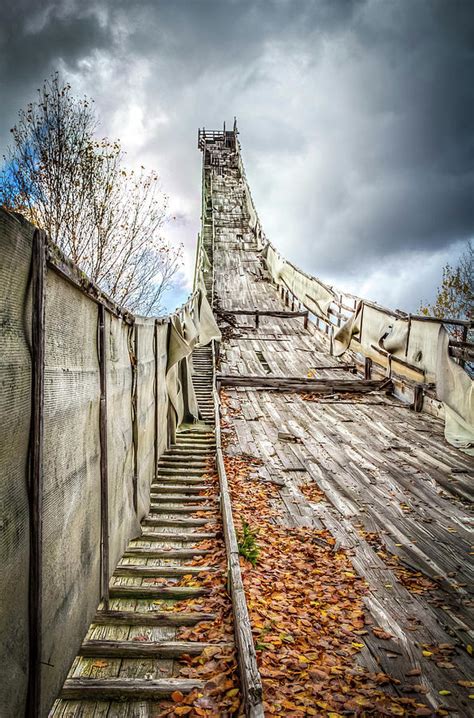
pixel 247 542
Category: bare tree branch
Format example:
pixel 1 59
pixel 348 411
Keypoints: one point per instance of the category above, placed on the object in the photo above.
pixel 75 187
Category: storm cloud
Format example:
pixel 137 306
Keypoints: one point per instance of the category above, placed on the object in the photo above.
pixel 356 118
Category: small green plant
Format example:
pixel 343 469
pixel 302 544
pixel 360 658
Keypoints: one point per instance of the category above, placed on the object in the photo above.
pixel 247 543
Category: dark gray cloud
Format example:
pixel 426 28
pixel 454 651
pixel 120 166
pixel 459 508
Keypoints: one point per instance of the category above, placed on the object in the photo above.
pixel 357 118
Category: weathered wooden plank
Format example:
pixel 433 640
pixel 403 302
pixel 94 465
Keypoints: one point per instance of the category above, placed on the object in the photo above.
pixel 151 618
pixel 302 384
pixel 125 689
pixel 152 571
pixel 192 536
pixel 183 554
pixel 177 592
pixel 249 673
pixel 143 649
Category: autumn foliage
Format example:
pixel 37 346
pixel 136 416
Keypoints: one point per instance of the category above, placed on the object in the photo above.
pixel 307 614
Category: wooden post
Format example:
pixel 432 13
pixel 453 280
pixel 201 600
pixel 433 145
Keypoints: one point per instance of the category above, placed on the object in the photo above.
pixel 35 488
pixel 368 368
pixel 305 320
pixel 134 359
pixel 340 311
pixel 464 339
pixel 155 350
pixel 104 471
pixel 417 398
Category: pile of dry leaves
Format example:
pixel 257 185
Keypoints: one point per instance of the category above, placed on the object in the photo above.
pixel 306 609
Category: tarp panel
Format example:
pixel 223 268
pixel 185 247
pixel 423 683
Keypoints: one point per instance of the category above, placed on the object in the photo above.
pixel 71 503
pixel 310 291
pixel 162 360
pixel 15 406
pixel 145 411
pixel 425 346
pixel 123 522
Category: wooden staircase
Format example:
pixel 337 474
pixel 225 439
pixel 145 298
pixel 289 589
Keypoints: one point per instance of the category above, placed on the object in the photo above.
pixel 131 650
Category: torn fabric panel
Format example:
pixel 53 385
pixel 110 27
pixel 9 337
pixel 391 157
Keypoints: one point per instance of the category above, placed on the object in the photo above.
pixel 208 329
pixel 454 388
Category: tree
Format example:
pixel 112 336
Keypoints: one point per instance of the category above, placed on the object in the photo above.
pixel 455 297
pixel 74 186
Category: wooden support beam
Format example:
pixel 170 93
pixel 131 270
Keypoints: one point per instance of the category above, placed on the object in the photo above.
pixel 35 479
pixel 397 360
pixel 418 398
pixel 341 367
pixel 302 384
pixel 282 314
pixel 249 674
pixel 367 368
pixel 464 342
pixel 463 353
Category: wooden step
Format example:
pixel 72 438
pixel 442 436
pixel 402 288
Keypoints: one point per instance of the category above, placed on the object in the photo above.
pixel 199 439
pixel 194 537
pixel 151 618
pixel 172 460
pixel 181 470
pixel 189 441
pixel 194 445
pixel 142 649
pixel 134 571
pixel 178 522
pixel 158 592
pixel 182 481
pixel 168 498
pixel 125 689
pixel 210 448
pixel 180 553
pixel 183 452
pixel 170 488
pixel 176 509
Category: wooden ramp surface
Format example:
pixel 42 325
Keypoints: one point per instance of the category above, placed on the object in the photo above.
pixel 386 484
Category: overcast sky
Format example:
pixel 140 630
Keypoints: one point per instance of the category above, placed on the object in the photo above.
pixel 356 118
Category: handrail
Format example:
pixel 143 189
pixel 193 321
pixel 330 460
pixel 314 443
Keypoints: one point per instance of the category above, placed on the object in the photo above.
pixel 247 657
